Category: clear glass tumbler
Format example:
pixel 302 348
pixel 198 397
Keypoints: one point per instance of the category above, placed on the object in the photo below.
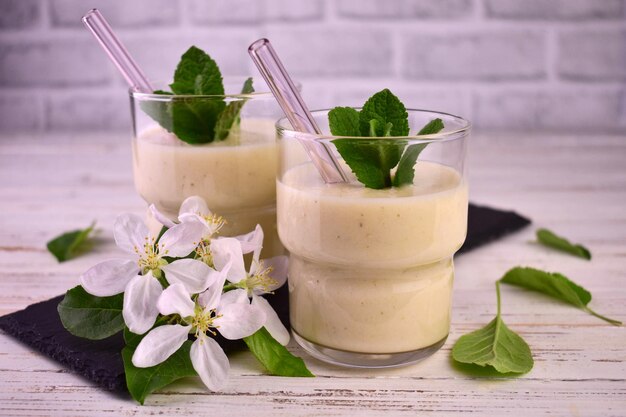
pixel 371 270
pixel 236 176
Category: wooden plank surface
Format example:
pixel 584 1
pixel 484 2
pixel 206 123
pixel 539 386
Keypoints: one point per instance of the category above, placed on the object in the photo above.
pixel 575 185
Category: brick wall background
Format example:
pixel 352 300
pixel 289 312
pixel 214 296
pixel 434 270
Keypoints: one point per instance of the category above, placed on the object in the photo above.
pixel 526 65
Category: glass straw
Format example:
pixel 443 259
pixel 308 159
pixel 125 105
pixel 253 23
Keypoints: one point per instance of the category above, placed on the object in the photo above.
pixel 103 33
pixel 277 78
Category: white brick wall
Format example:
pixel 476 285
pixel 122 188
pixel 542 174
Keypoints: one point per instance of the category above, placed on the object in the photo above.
pixel 527 65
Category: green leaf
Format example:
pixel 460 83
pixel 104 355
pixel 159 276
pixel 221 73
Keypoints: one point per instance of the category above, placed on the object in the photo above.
pixel 344 121
pixel 274 356
pixel 143 381
pixel 68 244
pixel 198 74
pixel 230 116
pixel 91 317
pixel 553 285
pixel 550 239
pixel 405 173
pixel 494 345
pixel 384 107
pixel 192 120
pixel 371 160
pixel 432 127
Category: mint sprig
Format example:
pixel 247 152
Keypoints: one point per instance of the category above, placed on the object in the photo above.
pixel 373 162
pixel 197 121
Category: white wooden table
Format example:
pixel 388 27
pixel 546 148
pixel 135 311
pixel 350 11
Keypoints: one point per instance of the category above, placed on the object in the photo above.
pixel 573 185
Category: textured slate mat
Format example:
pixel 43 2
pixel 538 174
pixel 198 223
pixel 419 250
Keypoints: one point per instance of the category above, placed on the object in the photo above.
pixel 100 361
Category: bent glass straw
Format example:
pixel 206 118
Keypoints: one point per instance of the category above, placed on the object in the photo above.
pixel 277 78
pixel 101 30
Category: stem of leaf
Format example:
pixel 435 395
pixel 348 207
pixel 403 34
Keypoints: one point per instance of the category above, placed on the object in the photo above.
pixel 601 317
pixel 498 296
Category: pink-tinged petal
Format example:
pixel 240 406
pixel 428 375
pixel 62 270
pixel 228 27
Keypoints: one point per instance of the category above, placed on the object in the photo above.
pixel 194 205
pixel 225 250
pixel 160 217
pixel 210 362
pixel 239 320
pixel 279 266
pixel 252 241
pixel 131 233
pixel 272 323
pixel 158 345
pixel 140 303
pixel 109 277
pixel 180 240
pixel 195 275
pixel 237 296
pixel 175 299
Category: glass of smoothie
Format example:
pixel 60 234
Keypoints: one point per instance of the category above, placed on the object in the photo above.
pixel 236 176
pixel 371 270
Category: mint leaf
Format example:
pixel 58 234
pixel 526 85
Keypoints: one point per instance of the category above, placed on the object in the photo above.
pixel 432 127
pixel 405 174
pixel 230 116
pixel 274 356
pixel 494 345
pixel 65 246
pixel 344 121
pixel 192 120
pixel 550 239
pixel 553 285
pixel 385 108
pixel 85 315
pixel 198 74
pixel 371 160
pixel 143 381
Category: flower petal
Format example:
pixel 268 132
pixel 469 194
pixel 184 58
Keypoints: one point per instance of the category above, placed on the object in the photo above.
pixel 160 344
pixel 109 277
pixel 239 296
pixel 210 299
pixel 194 205
pixel 194 274
pixel 210 362
pixel 227 249
pixel 130 233
pixel 181 240
pixel 140 303
pixel 251 241
pixel 175 299
pixel 160 217
pixel 272 323
pixel 279 266
pixel 238 320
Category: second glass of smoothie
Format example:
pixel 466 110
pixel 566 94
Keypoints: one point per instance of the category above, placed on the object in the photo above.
pixel 371 271
pixel 235 176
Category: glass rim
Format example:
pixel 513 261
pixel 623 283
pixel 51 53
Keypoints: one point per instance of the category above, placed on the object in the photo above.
pixel 281 129
pixel 265 94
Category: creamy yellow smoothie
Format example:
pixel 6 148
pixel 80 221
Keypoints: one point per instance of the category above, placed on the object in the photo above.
pixel 371 270
pixel 236 176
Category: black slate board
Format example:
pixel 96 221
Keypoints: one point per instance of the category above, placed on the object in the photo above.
pixel 39 325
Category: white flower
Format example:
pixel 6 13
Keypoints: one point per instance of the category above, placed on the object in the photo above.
pixel 194 208
pixel 230 313
pixel 263 276
pixel 142 291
